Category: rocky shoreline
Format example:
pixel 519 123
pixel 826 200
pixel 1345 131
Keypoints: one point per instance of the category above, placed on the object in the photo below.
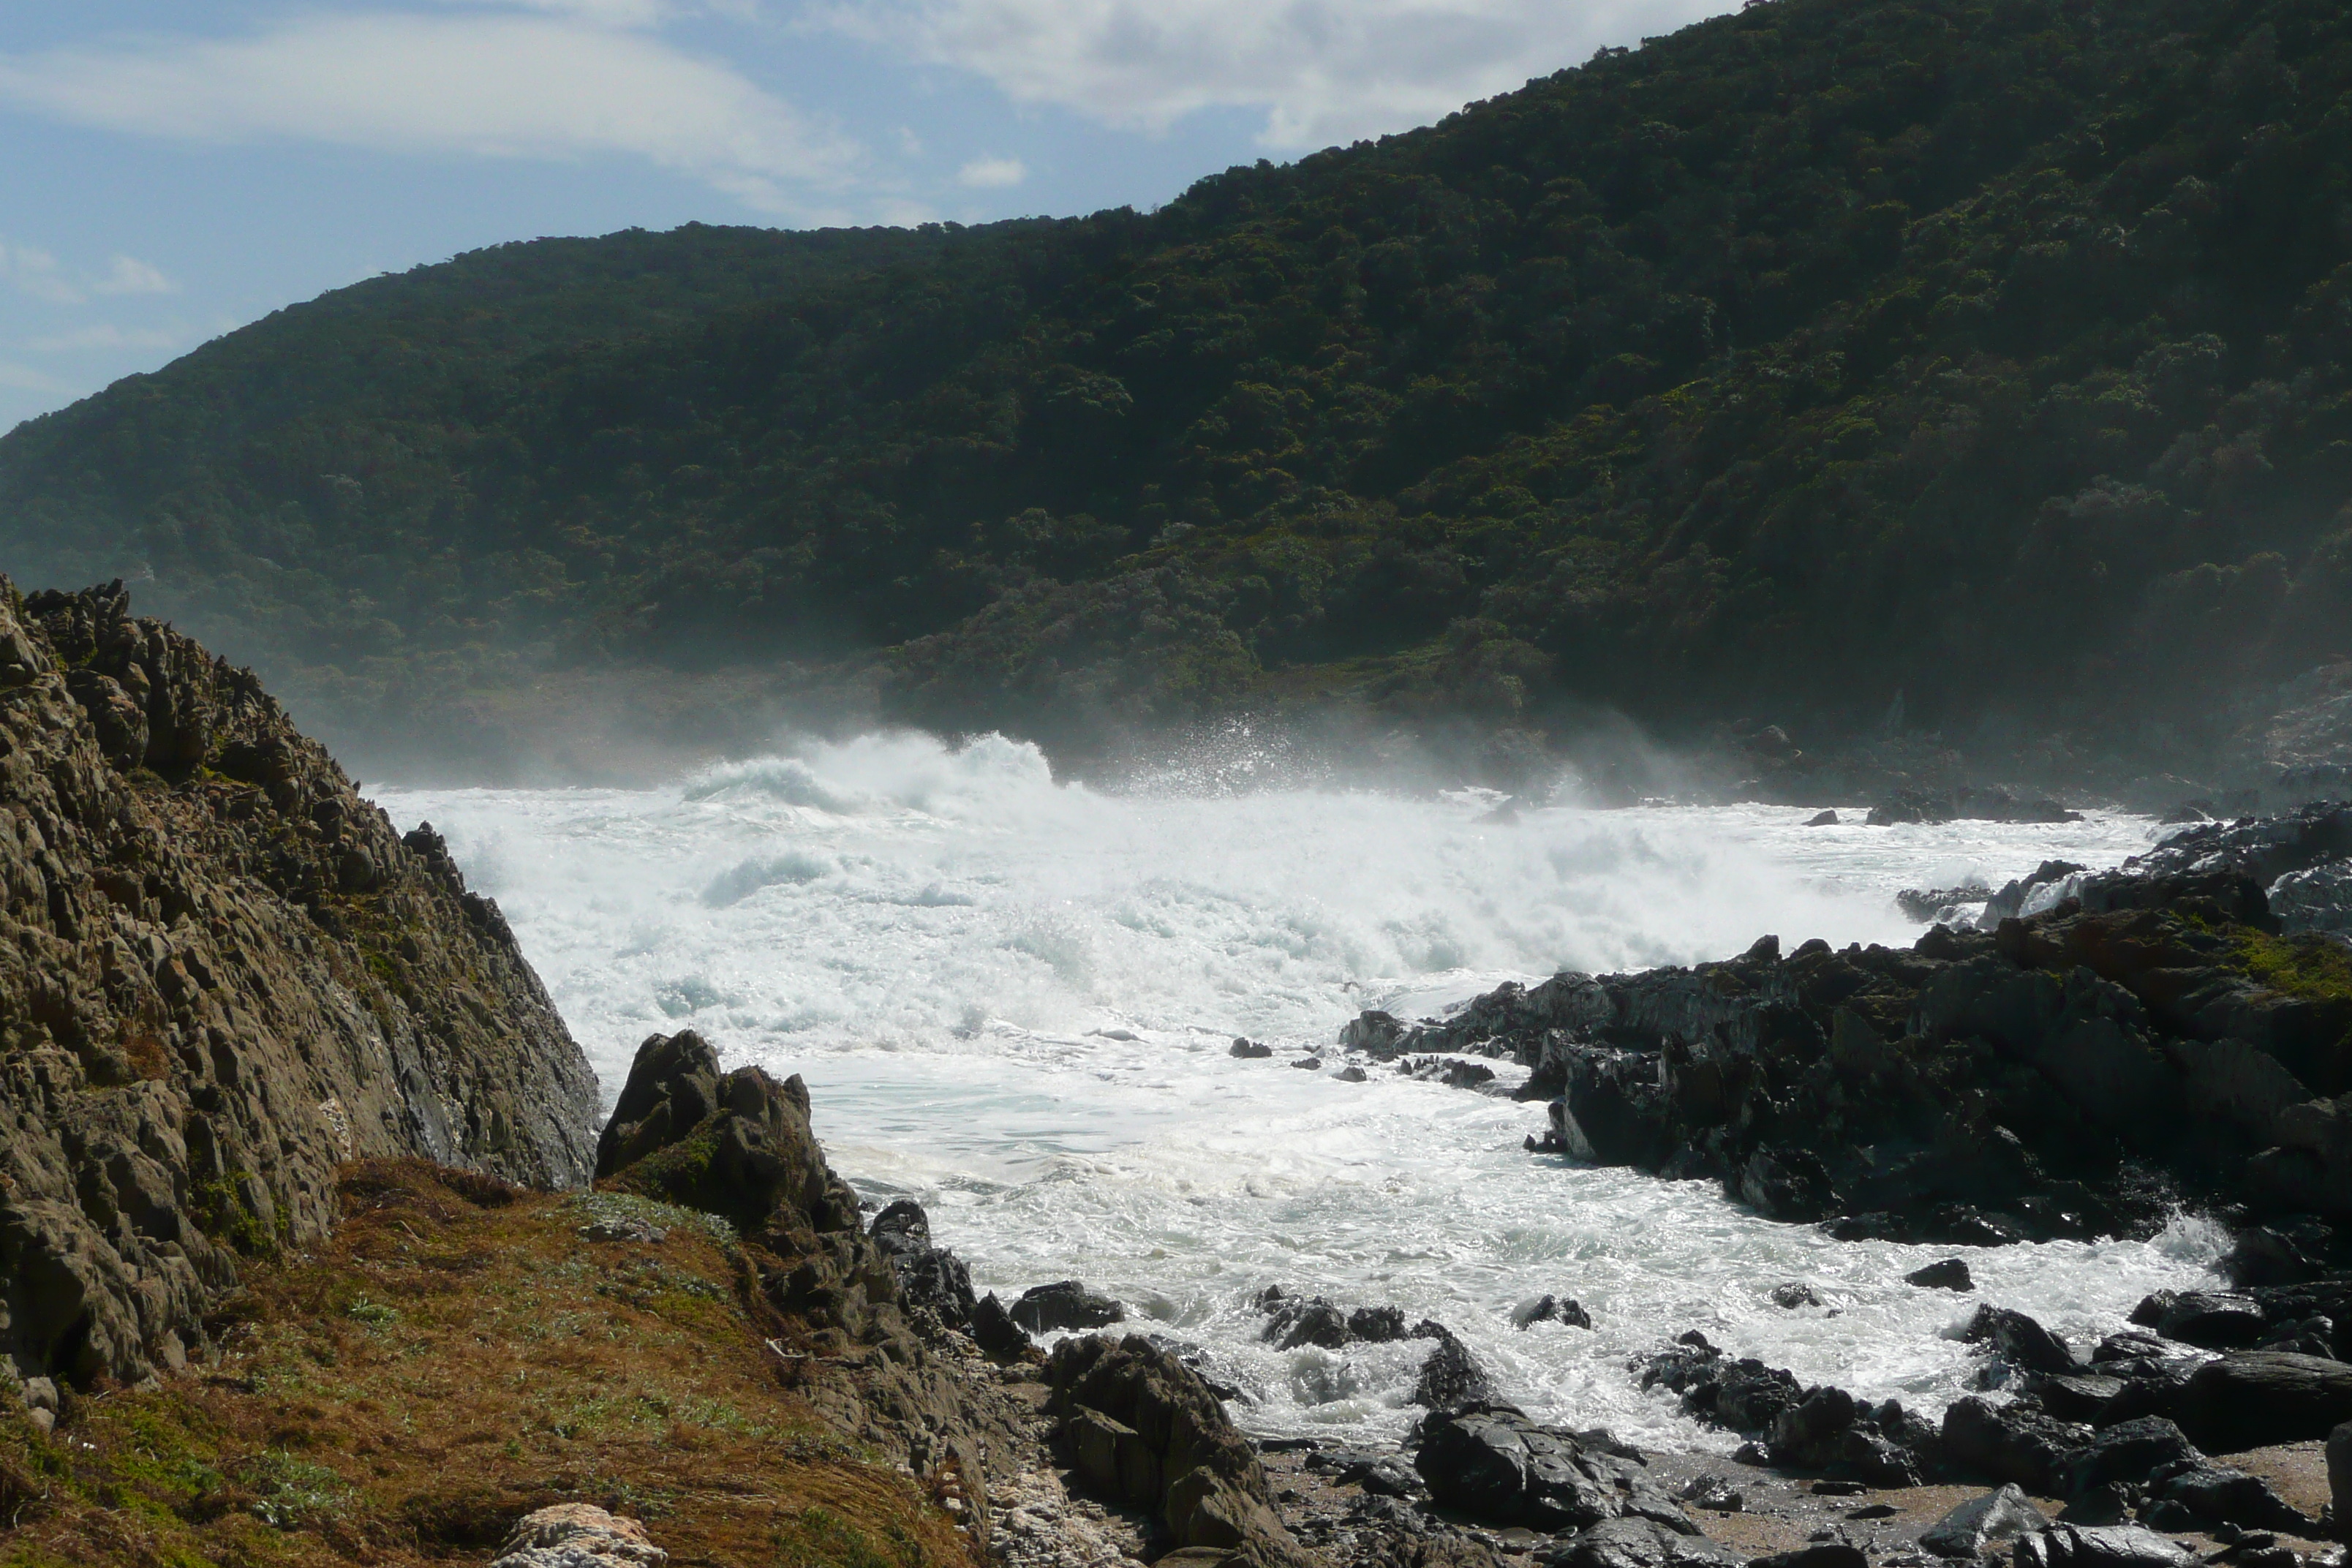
pixel 245 1025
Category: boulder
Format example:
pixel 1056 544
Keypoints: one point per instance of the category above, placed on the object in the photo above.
pixel 1951 1274
pixel 1450 1375
pixel 1555 1309
pixel 735 1144
pixel 1376 1325
pixel 2207 1495
pixel 930 1279
pixel 1250 1049
pixel 2020 1341
pixel 1064 1304
pixel 1980 1523
pixel 2129 1452
pixel 2253 1397
pixel 1143 1429
pixel 1292 1323
pixel 2111 1546
pixel 1502 1469
pixel 2013 1443
pixel 1637 1543
pixel 2212 1319
pixel 993 1330
pixel 1795 1294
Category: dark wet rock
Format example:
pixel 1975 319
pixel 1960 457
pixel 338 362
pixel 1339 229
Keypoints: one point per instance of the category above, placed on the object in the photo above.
pixel 2212 1319
pixel 993 1330
pixel 1140 1427
pixel 1250 1049
pixel 2210 1495
pixel 1794 1294
pixel 1943 904
pixel 1351 1075
pixel 1380 1036
pixel 1064 1304
pixel 1823 819
pixel 1556 1310
pixel 1951 1274
pixel 2112 1546
pixel 931 1280
pixel 1311 1064
pixel 1293 1322
pixel 1502 1469
pixel 1376 1325
pixel 2020 1341
pixel 2074 1072
pixel 1450 1376
pixel 2253 1397
pixel 1966 804
pixel 1981 1523
pixel 2013 1443
pixel 1637 1543
pixel 2129 1452
pixel 2083 1396
pixel 1823 1428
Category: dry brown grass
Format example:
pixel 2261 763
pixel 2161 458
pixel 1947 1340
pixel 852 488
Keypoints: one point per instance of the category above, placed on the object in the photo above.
pixel 455 1358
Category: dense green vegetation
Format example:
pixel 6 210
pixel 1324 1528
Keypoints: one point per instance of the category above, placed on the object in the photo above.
pixel 1991 351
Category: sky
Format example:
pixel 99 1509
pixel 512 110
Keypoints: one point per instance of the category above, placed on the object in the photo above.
pixel 180 168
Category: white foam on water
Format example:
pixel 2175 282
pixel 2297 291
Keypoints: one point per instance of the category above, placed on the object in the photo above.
pixel 941 939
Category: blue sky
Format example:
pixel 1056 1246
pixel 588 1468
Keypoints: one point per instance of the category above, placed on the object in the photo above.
pixel 178 170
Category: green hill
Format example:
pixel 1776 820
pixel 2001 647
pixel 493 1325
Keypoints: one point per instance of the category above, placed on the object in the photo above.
pixel 1990 350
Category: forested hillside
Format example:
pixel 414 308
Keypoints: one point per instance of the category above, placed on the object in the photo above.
pixel 1991 351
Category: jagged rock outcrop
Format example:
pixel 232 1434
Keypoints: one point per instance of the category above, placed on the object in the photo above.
pixel 1141 1427
pixel 222 973
pixel 2148 1035
pixel 741 1145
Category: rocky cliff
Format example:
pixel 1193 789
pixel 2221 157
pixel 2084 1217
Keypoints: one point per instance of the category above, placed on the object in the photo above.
pixel 222 973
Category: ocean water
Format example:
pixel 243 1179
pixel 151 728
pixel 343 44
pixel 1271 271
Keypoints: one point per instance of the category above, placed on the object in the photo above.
pixel 1013 999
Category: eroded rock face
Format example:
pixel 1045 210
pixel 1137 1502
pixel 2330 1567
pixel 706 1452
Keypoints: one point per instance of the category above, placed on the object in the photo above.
pixel 222 973
pixel 1142 1426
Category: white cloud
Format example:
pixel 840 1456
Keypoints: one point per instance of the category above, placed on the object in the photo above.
pixel 24 378
pixel 36 272
pixel 1322 70
pixel 536 87
pixel 992 173
pixel 104 336
pixel 126 276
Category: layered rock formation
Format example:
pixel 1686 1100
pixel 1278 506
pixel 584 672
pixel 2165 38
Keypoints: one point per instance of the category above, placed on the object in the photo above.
pixel 222 973
pixel 2152 1033
pixel 881 1364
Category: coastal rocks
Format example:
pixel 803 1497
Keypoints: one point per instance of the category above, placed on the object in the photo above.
pixel 1638 1543
pixel 935 1282
pixel 1981 1523
pixel 1951 1274
pixel 1250 1049
pixel 1140 1425
pixel 578 1535
pixel 2251 1397
pixel 2123 1040
pixel 1064 1304
pixel 2020 1341
pixel 2013 1443
pixel 2112 1546
pixel 1450 1376
pixel 1965 804
pixel 1817 1427
pixel 222 975
pixel 1554 1309
pixel 1496 1465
